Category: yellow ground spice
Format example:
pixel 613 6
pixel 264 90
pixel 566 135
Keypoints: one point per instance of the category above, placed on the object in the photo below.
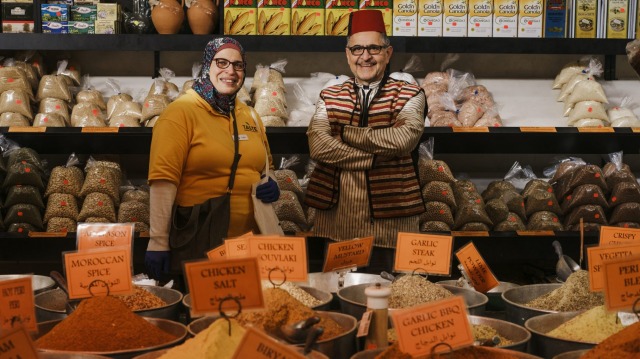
pixel 213 342
pixel 623 345
pixel 592 326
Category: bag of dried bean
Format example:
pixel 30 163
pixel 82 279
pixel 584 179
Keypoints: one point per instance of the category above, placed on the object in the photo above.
pixel 287 178
pixel 437 211
pixel 288 208
pixel 23 228
pixel 439 191
pixel 626 212
pixel 585 194
pixel 430 169
pixel 102 179
pixel 136 194
pixel 17 101
pixel 536 185
pixel 97 220
pixel 624 192
pixel 23 213
pixel 66 179
pixel 544 221
pixel 496 210
pixel 589 213
pixel 434 226
pixel 24 173
pixel 97 205
pixel 539 201
pixel 495 189
pixel 61 224
pixel 61 205
pixel 562 168
pixel 133 211
pixel 24 194
pixel 512 223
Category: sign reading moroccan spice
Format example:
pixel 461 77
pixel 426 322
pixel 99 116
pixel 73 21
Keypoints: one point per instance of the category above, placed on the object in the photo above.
pixel 97 235
pixel 211 283
pixel 218 253
pixel 598 256
pixel 16 305
pixel 423 327
pixel 430 252
pixel 281 258
pixel 348 254
pixel 17 344
pixel 618 235
pixel 98 272
pixel 622 283
pixel 257 344
pixel 479 273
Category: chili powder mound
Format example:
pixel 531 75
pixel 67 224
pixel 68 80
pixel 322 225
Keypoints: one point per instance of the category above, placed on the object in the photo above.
pixel 623 345
pixel 103 324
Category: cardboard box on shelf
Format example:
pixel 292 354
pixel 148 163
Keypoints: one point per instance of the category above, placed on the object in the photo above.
pixel 555 19
pixel 530 18
pixel 107 27
pixel 480 18
pixel 17 26
pixel 405 18
pixel 307 17
pixel 337 16
pixel 55 27
pixel 274 17
pixel 82 27
pixel 108 11
pixel 430 18
pixel 585 19
pixel 84 13
pixel 617 25
pixel 240 17
pixel 17 11
pixel 505 18
pixel 54 12
pixel 456 18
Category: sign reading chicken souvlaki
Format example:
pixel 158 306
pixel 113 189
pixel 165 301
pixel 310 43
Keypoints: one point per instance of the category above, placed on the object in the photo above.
pixel 96 272
pixel 280 258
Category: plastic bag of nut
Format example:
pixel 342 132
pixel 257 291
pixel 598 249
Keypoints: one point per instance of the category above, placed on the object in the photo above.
pixel 132 193
pixel 61 205
pixel 287 179
pixel 133 211
pixel 66 179
pixel 61 224
pixel 288 208
pixel 430 169
pixel 97 205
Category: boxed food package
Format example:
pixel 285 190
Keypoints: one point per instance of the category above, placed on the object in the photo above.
pixel 405 18
pixel 108 11
pixel 307 17
pixel 480 18
pixel 274 17
pixel 55 27
pixel 54 12
pixel 385 6
pixel 555 19
pixel 336 16
pixel 505 17
pixel 430 18
pixel 107 27
pixel 456 14
pixel 585 19
pixel 617 25
pixel 84 13
pixel 240 17
pixel 17 17
pixel 530 18
pixel 82 27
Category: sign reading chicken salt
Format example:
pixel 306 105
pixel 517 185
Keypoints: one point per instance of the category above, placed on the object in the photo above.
pixel 431 253
pixel 16 305
pixel 280 258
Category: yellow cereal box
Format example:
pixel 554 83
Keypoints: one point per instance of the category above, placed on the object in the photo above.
pixel 530 18
pixel 505 18
pixel 455 19
pixel 385 6
pixel 586 19
pixel 405 18
pixel 337 16
pixel 240 17
pixel 617 19
pixel 480 18
pixel 430 18
pixel 274 17
pixel 307 17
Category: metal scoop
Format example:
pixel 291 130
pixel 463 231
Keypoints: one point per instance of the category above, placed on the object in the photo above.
pixel 298 332
pixel 565 266
pixel 71 305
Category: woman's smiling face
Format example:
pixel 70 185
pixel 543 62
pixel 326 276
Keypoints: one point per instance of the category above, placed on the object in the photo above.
pixel 227 81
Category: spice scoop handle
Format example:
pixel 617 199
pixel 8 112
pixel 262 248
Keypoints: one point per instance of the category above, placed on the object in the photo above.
pixel 558 248
pixel 312 338
pixel 60 281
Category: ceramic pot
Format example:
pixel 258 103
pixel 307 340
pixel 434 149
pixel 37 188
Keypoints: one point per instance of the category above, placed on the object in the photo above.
pixel 167 15
pixel 202 16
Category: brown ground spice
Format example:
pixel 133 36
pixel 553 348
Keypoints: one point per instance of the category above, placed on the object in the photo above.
pixel 142 299
pixel 103 324
pixel 623 345
pixel 472 352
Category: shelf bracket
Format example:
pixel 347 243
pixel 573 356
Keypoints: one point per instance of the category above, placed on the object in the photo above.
pixel 609 67
pixel 156 64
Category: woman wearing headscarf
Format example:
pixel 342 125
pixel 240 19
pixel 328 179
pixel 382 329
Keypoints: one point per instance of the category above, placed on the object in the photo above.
pixel 199 141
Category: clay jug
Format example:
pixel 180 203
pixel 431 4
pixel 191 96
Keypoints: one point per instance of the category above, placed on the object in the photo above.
pixel 202 16
pixel 167 15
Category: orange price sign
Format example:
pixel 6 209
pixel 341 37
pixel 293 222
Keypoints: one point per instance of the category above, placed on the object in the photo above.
pixel 281 258
pixel 17 308
pixel 481 276
pixel 98 272
pixel 422 328
pixel 429 252
pixel 218 253
pixel 212 283
pixel 348 254
pixel 257 344
pixel 598 256
pixel 98 235
pixel 237 247
pixel 618 235
pixel 622 283
pixel 17 344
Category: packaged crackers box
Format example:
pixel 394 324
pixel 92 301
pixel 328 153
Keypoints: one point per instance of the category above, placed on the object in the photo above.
pixel 405 18
pixel 17 17
pixel 555 19
pixel 385 7
pixel 240 17
pixel 586 19
pixel 505 18
pixel 307 17
pixel 617 26
pixel 480 18
pixel 430 18
pixel 337 16
pixel 456 14
pixel 274 17
pixel 530 18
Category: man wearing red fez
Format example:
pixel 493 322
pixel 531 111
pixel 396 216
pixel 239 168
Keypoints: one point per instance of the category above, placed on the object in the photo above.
pixel 363 137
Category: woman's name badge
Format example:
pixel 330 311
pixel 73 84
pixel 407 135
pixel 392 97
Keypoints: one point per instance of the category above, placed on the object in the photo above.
pixel 242 137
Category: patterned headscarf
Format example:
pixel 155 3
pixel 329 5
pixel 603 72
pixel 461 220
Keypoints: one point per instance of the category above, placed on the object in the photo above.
pixel 203 86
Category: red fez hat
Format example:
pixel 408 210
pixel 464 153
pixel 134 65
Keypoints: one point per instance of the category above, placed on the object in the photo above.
pixel 366 20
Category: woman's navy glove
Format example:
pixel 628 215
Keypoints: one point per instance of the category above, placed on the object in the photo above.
pixel 268 192
pixel 157 263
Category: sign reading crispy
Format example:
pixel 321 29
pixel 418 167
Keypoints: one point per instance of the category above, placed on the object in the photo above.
pixel 211 283
pixel 348 254
pixel 98 235
pixel 481 276
pixel 429 252
pixel 422 328
pixel 97 272
pixel 622 283
pixel 281 258
pixel 16 304
pixel 618 235
pixel 598 256
pixel 218 253
pixel 17 344
pixel 257 344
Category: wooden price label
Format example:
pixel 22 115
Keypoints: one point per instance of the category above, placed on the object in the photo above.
pixel 211 282
pixel 536 233
pixel 481 276
pixel 100 130
pixel 635 129
pixel 218 253
pixel 430 252
pixel 618 235
pixel 598 256
pixel 17 344
pixel 622 283
pixel 348 254
pixel 471 129
pixel 99 235
pixel 422 327
pixel 27 129
pixel 98 272
pixel 538 129
pixel 257 344
pixel 17 308
pixel 281 258
pixel 595 129
pixel 470 234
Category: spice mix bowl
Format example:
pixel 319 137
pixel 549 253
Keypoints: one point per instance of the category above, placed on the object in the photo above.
pixel 515 299
pixel 486 352
pixel 548 346
pixel 353 301
pixel 333 281
pixel 39 283
pixel 496 303
pixel 518 335
pixel 69 356
pixel 574 354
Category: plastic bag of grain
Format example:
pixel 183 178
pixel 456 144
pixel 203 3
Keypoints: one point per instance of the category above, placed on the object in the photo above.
pixel 287 178
pixel 439 191
pixel 60 224
pixel 14 78
pixel 53 86
pixel 544 221
pixel 512 223
pixel 437 211
pixel 566 73
pixel 153 105
pixel 97 220
pixel 99 205
pixel 90 94
pixel 151 122
pixel 413 65
pixel 626 212
pixel 48 120
pixel 290 227
pixel 496 210
pixel 70 73
pixel 430 169
pixel 538 201
pixel 288 208
pixel 17 101
pixel 471 213
pixel 104 180
pixel 534 185
pixel 434 226
pixel 32 75
pixel 163 86
pixel 87 114
pixel 137 194
pixel 589 213
pixel 22 228
pixel 119 96
pixel 589 90
pixel 23 213
pixel 269 74
pixel 624 192
pixel 585 194
pixel 16 154
pixel 587 109
pixel 57 106
pixel 61 205
pixel 495 189
pixel 124 121
pixel 66 179
pixel 195 73
pixel 571 84
pixel 9 119
pixel 269 100
pixel 24 174
pixel 133 211
pixel 563 167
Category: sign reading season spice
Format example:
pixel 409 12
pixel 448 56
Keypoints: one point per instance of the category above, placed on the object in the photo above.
pixel 622 283
pixel 97 235
pixel 280 258
pixel 17 344
pixel 480 275
pixel 348 254
pixel 98 272
pixel 618 235
pixel 257 344
pixel 211 283
pixel 16 304
pixel 598 256
pixel 429 252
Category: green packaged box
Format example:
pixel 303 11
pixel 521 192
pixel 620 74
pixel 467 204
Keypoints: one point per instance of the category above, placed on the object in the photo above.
pixel 82 27
pixel 84 13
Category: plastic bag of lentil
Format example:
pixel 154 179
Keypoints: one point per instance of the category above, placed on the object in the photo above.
pixel 626 212
pixel 628 224
pixel 97 204
pixel 585 194
pixel 86 114
pixel 615 171
pixel 13 78
pixel 124 121
pixel 24 228
pixel 562 168
pixel 24 194
pixel 154 105
pixel 119 97
pixel 61 205
pixel 23 213
pixel 624 192
pixel 55 105
pixel 495 189
pixel 287 179
pixel 462 186
pixel 288 208
pixel 53 86
pixel 162 85
pixel 544 221
pixel 66 179
pixel 9 119
pixel 16 154
pixel 589 213
pixel 17 101
pixel 133 211
pixel 24 174
pixel 589 174
pixel 496 210
pixel 102 179
pixel 430 169
pixel 48 120
pixel 434 226
pixel 542 201
pixel 536 185
pixel 61 224
pixel 515 203
pixel 439 191
pixel 512 223
pixel 474 227
pixel 437 211
pixel 468 214
pixel 97 220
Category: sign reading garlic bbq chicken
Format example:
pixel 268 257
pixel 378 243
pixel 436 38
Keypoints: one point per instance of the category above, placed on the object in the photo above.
pixel 98 272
